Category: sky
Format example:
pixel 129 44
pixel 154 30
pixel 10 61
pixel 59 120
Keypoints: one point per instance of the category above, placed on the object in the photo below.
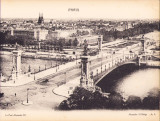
pixel 103 9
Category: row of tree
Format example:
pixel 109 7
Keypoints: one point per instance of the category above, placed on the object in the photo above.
pixel 84 99
pixel 62 42
pixel 138 29
pixel 24 40
pixel 6 38
pixel 80 33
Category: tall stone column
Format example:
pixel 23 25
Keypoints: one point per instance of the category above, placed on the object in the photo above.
pixel 84 71
pixel 100 39
pixel 143 45
pixel 85 80
pixel 12 31
pixel 17 62
pixel 39 44
pixel 139 60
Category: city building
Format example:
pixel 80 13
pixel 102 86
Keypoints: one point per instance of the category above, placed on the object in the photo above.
pixel 38 34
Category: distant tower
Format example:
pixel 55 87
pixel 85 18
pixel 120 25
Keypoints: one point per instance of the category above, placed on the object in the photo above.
pixel 85 80
pixel 12 31
pixel 40 19
pixel 143 43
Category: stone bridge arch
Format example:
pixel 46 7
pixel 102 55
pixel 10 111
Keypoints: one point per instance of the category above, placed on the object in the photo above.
pixel 101 74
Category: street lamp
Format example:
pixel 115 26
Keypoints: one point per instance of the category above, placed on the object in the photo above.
pixel 39 68
pixel 66 77
pixel 56 64
pixel 76 59
pixel 27 94
pixel 123 56
pixel 34 75
pixel 61 59
pixel 101 63
pixel 29 68
pixel 112 59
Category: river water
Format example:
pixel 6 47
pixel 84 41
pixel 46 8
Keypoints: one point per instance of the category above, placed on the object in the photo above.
pixel 131 80
pixel 6 64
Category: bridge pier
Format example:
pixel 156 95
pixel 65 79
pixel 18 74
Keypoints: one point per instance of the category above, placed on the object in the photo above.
pixel 141 59
pixel 86 80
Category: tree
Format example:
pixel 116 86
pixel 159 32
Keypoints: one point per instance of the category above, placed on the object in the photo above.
pixel 78 32
pixel 75 42
pixel 115 101
pixel 61 43
pixel 19 39
pixel 70 42
pixel 134 102
pixel 84 99
pixel 64 105
pixel 84 33
pixel 99 101
pixel 55 42
pixel 80 99
pixel 151 102
pixel 2 37
pixel 1 94
pixel 141 28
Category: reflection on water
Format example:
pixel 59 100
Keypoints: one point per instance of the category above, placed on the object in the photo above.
pixel 130 80
pixel 6 64
pixel 139 83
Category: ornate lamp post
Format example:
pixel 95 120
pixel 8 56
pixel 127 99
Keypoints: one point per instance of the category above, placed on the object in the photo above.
pixel 76 59
pixel 66 77
pixel 56 64
pixel 27 102
pixel 34 75
pixel 29 68
pixel 39 68
pixel 27 94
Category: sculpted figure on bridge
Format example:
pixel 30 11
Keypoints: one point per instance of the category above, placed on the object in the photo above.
pixel 85 52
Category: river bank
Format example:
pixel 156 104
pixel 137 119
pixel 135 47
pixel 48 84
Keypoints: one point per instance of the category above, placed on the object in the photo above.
pixel 44 55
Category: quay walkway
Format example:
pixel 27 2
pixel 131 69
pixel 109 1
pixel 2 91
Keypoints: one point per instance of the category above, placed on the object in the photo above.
pixel 28 78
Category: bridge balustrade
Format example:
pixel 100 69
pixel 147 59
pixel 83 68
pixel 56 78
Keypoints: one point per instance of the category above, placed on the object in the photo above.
pixel 110 68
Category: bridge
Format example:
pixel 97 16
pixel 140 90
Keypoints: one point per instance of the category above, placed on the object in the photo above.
pixel 89 71
pixel 94 70
pixel 104 71
pixel 97 67
pixel 108 65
